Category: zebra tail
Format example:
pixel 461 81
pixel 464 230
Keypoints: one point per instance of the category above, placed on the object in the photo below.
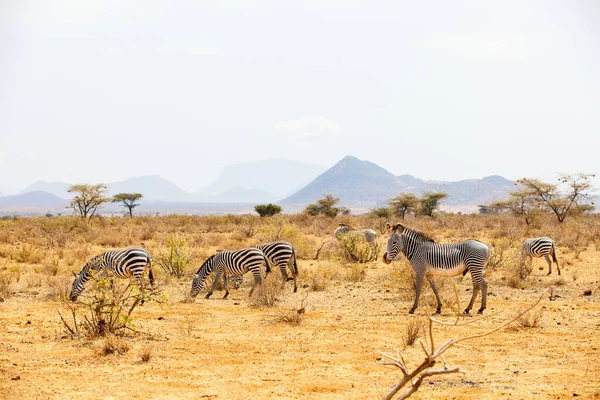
pixel 150 273
pixel 267 264
pixel 294 265
pixel 554 254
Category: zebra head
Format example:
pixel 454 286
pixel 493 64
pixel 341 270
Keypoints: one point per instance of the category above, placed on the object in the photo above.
pixel 200 276
pixel 395 243
pixel 76 288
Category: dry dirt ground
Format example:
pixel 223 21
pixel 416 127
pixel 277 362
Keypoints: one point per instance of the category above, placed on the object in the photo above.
pixel 225 349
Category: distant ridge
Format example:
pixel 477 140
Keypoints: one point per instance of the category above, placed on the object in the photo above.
pixel 362 185
pixel 32 201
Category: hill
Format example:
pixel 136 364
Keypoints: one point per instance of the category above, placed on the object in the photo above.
pixel 32 202
pixel 362 185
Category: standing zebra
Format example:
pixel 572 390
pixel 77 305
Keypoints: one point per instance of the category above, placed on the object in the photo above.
pixel 540 247
pixel 121 263
pixel 228 263
pixel 428 259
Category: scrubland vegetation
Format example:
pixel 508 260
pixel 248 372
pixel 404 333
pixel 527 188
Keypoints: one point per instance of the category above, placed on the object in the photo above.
pixel 321 342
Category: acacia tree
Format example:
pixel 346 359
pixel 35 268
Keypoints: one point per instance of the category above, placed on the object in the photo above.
pixel 521 203
pixel 561 202
pixel 326 206
pixel 87 199
pixel 431 202
pixel 128 200
pixel 267 210
pixel 403 204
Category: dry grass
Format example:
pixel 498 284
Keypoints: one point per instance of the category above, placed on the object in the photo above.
pixel 267 294
pixel 327 353
pixel 114 345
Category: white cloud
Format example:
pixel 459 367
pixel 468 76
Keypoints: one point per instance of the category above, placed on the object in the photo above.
pixel 308 129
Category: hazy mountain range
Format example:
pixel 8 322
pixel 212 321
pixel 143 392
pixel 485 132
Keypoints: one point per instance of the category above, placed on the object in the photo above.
pixel 360 185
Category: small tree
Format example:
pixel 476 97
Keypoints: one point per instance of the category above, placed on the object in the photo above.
pixel 128 200
pixel 521 204
pixel 87 199
pixel 325 206
pixel 430 202
pixel 381 212
pixel 267 210
pixel 561 203
pixel 403 204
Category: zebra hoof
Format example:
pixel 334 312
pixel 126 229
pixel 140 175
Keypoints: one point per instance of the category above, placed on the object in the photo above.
pixel 295 289
pixel 466 312
pixel 480 311
pixel 438 311
pixel 411 311
pixel 207 296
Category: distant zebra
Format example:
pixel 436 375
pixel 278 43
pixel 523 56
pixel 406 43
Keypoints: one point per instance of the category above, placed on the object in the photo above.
pixel 428 258
pixel 540 247
pixel 230 263
pixel 281 254
pixel 122 263
pixel 369 235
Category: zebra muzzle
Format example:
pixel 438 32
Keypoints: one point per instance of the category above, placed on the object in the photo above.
pixel 385 258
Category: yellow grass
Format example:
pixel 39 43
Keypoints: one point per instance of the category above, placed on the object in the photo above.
pixel 231 349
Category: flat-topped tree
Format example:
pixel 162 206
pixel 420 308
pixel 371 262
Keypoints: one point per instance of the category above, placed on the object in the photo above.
pixel 87 199
pixel 128 200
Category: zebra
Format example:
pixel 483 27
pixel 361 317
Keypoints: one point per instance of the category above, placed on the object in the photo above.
pixel 280 253
pixel 540 247
pixel 230 262
pixel 121 263
pixel 428 259
pixel 368 234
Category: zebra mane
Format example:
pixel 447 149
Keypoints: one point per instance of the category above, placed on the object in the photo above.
pixel 206 262
pixel 420 236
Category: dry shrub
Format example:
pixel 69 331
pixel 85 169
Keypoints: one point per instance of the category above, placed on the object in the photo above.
pixel 146 353
pixel 114 345
pixel 354 248
pixel 502 253
pixel 560 281
pixel 176 258
pixel 405 279
pixel 356 273
pixel 59 288
pixel 412 331
pixel 293 316
pixel 33 281
pixel 5 281
pixel 318 283
pixel 267 294
pixel 51 268
pixel 29 254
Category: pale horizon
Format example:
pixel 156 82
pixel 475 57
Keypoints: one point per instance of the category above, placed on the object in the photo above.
pixel 101 92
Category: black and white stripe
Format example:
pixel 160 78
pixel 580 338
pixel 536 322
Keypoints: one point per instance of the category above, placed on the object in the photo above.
pixel 122 263
pixel 429 259
pixel 540 247
pixel 230 263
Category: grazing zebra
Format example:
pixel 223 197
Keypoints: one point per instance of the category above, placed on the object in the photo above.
pixel 121 263
pixel 540 247
pixel 280 253
pixel 428 259
pixel 228 263
pixel 368 234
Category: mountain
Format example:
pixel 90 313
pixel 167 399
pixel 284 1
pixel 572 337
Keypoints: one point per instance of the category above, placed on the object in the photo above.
pixel 274 178
pixel 362 185
pixel 32 201
pixel 358 183
pixel 58 189
pixel 153 187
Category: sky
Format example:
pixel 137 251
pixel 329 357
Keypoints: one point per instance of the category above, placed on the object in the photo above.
pixel 100 91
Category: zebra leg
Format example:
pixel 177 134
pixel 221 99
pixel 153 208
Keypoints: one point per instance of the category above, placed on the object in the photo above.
pixel 437 296
pixel 484 286
pixel 418 287
pixel 547 257
pixel 215 283
pixel 257 280
pixel 284 274
pixel 226 285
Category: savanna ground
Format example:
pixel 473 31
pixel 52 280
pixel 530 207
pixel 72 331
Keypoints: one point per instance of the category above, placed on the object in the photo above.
pixel 242 349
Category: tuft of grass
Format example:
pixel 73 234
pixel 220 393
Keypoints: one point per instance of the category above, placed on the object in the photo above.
pixel 412 331
pixel 33 281
pixel 318 283
pixel 529 320
pixel 59 288
pixel 114 345
pixel 29 254
pixel 356 273
pixel 5 281
pixel 146 353
pixel 560 281
pixel 293 316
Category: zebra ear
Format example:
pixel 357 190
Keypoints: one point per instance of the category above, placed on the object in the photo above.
pixel 388 226
pixel 398 228
pixel 196 276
